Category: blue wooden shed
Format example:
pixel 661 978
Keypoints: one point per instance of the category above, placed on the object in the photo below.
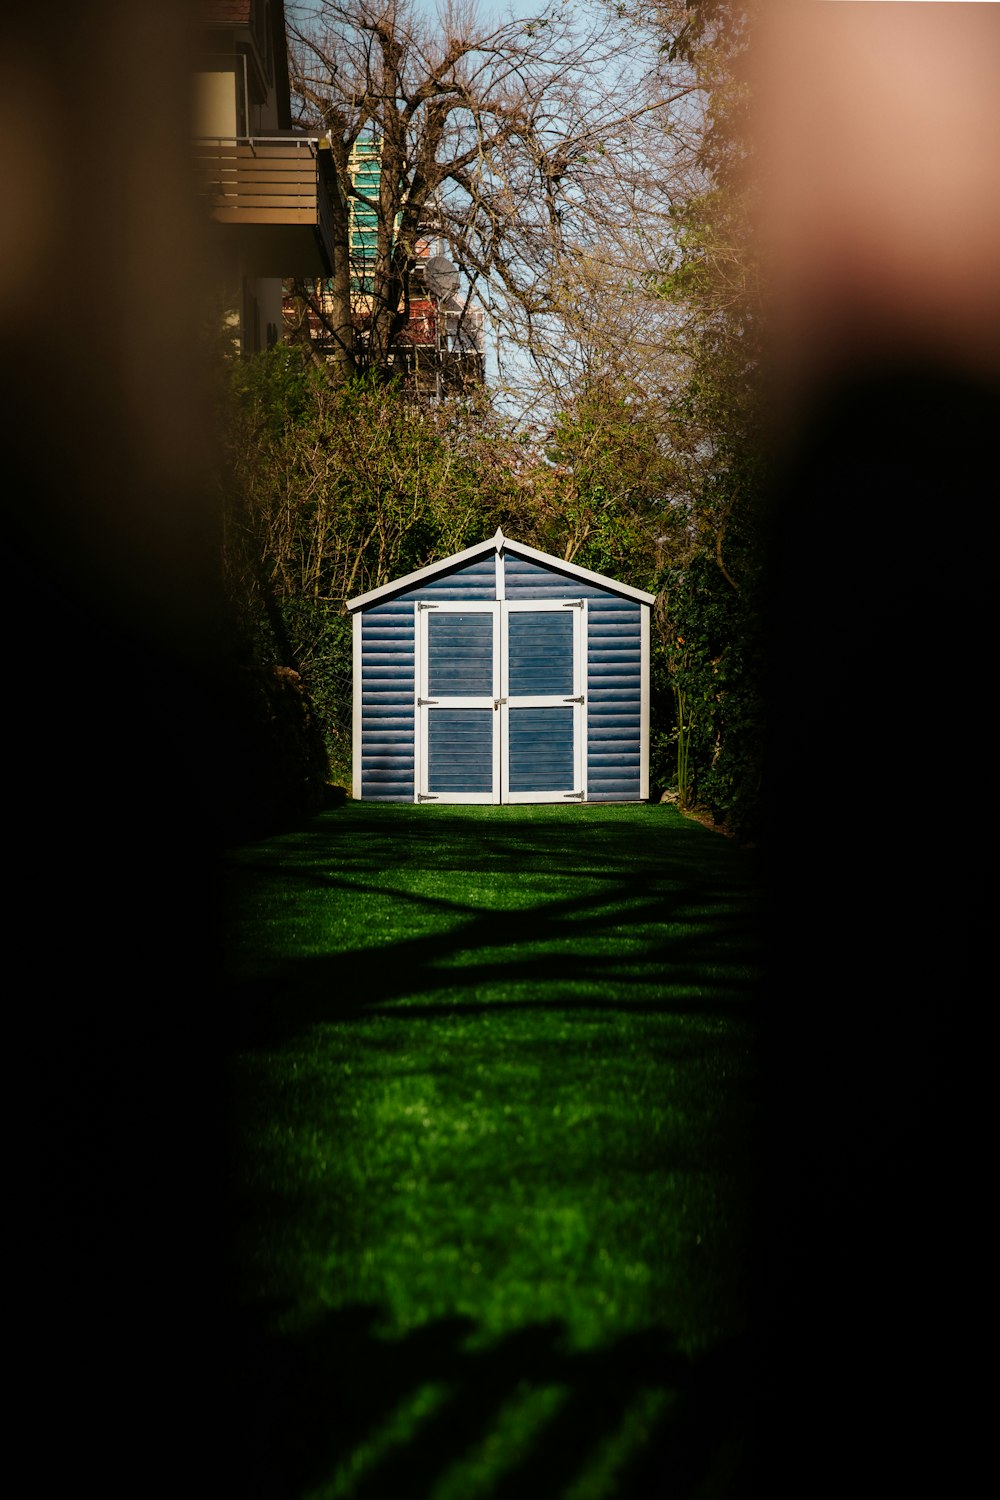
pixel 501 674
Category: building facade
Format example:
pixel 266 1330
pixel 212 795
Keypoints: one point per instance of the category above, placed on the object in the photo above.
pixel 268 188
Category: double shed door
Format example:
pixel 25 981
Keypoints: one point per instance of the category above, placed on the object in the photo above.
pixel 501 708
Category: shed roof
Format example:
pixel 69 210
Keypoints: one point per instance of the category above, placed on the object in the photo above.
pixel 498 543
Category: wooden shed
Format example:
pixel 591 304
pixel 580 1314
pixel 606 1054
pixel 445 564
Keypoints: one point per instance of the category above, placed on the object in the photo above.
pixel 501 674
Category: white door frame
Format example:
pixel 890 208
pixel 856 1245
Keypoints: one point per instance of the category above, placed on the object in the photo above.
pixel 498 701
pixel 578 699
pixel 425 704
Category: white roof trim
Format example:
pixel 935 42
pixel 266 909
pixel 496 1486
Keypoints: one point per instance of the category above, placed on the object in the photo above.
pixel 523 550
pixel 497 543
pixel 400 585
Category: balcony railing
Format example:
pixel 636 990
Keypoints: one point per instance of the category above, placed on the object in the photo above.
pixel 276 190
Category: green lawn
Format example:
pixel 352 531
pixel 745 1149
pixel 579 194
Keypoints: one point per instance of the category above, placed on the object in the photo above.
pixel 492 1110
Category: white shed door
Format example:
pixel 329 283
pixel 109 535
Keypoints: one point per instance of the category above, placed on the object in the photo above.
pixel 542 710
pixel 458 692
pixel 501 713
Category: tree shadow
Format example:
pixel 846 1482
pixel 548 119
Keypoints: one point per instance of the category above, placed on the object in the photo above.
pixel 659 921
pixel 369 1417
pixel 655 922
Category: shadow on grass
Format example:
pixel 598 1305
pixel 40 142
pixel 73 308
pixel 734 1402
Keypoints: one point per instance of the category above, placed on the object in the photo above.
pixel 653 918
pixel 424 914
pixel 340 1411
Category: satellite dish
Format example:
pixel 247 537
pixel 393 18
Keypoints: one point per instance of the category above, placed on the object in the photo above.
pixel 441 276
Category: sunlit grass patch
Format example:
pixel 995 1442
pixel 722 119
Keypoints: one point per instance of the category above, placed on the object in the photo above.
pixel 395 1433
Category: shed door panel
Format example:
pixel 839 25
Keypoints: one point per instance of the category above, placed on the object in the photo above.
pixel 460 655
pixel 539 652
pixel 458 744
pixel 543 715
pixel 540 750
pixel 460 750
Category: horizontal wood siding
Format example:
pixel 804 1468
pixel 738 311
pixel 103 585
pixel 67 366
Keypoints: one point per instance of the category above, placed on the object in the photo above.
pixel 387 694
pixel 524 579
pixel 614 675
pixel 614 699
pixel 477 580
pixel 388 670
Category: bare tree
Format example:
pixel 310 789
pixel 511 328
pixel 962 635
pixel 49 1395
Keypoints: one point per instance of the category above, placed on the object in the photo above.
pixel 546 150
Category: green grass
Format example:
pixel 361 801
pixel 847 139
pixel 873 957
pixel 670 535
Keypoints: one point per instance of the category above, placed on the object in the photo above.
pixel 492 1111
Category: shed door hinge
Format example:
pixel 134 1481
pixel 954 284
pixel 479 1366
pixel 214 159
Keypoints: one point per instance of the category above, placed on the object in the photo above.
pixel 574 700
pixel 572 604
pixel 427 797
pixel 571 795
pixel 423 604
pixel 421 702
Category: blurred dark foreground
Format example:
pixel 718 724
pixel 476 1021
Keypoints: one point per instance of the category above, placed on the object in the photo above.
pixel 122 742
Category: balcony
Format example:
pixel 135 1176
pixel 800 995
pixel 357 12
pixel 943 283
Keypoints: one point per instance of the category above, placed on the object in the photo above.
pixel 273 194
